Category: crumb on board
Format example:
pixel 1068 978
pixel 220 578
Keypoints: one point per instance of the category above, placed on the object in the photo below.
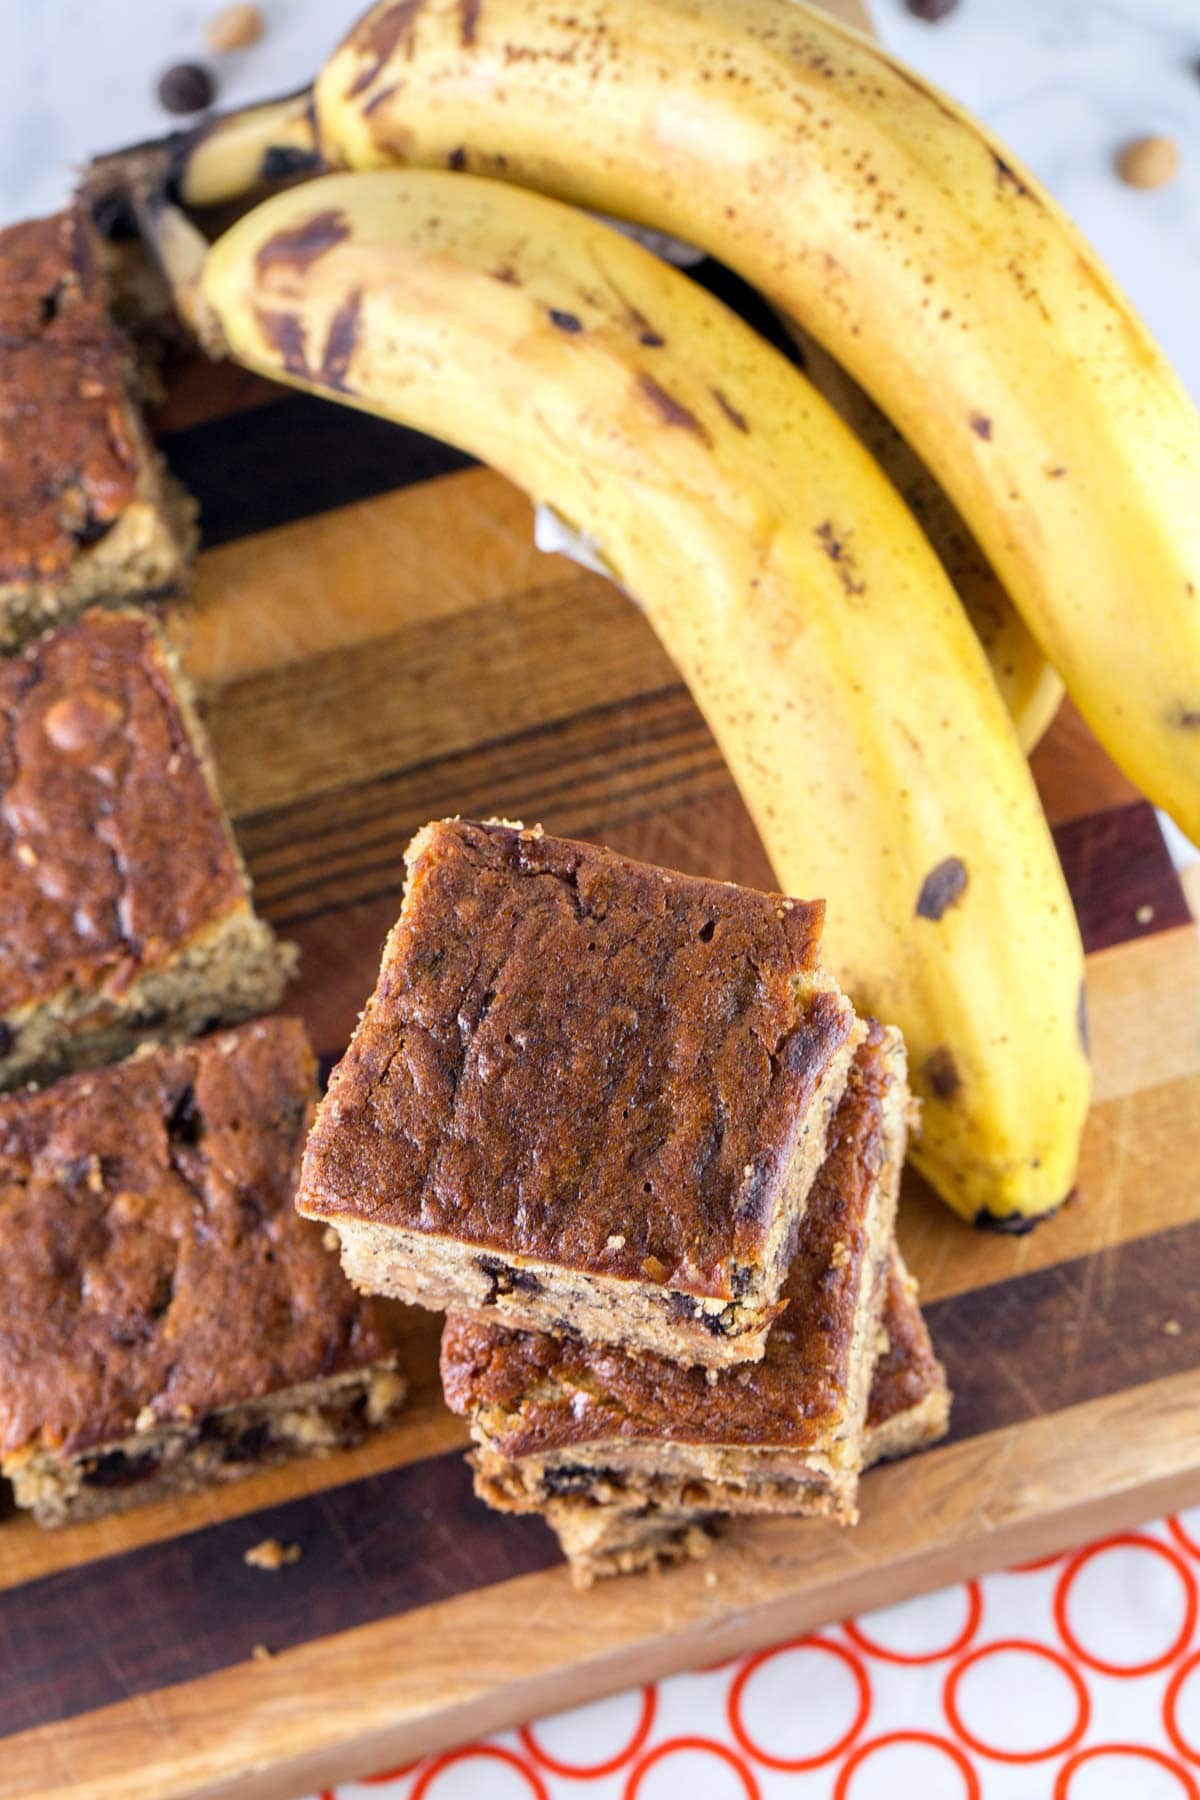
pixel 1144 914
pixel 271 1554
pixel 260 1653
pixel 1171 1328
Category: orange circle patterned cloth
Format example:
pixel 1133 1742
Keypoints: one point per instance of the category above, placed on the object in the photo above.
pixel 1073 1678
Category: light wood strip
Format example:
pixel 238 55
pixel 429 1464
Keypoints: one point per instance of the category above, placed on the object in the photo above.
pixel 382 567
pixel 405 1686
pixel 357 573
pixel 442 686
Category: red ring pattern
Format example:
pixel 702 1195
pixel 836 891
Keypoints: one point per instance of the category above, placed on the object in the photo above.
pixel 1126 1540
pixel 793 1764
pixel 707 1714
pixel 972 1789
pixel 1144 1753
pixel 709 1745
pixel 857 1635
pixel 1190 1752
pixel 1069 1738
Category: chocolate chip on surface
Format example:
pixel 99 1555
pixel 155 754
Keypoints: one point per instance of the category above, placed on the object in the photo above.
pixel 931 10
pixel 186 88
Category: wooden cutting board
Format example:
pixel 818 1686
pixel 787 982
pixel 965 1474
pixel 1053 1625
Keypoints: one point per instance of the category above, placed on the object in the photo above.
pixel 377 643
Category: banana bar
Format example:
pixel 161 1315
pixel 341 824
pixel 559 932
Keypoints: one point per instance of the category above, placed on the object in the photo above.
pixel 125 910
pixel 168 1320
pixel 587 1095
pixel 87 510
pixel 559 1419
pixel 909 1408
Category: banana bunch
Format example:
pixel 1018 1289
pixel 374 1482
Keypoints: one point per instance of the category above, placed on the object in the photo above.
pixel 802 604
pixel 904 238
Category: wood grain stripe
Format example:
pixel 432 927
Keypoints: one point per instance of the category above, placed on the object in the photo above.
pixel 453 729
pixel 408 1537
pixel 169 1612
pixel 1120 874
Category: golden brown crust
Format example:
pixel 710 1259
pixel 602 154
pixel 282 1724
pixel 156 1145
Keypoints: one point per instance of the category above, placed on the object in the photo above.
pixel 69 449
pixel 114 846
pixel 553 1393
pixel 574 1057
pixel 154 1268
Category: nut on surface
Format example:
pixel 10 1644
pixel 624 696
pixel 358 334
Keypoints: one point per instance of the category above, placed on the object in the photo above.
pixel 1148 162
pixel 234 28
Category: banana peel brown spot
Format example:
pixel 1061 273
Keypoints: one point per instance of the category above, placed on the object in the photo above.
pixel 457 159
pixel 565 321
pixel 281 162
pixel 379 37
pixel 380 99
pixel 670 410
pixel 653 340
pixel 941 1072
pixel 942 888
pixel 341 342
pixel 1007 177
pixel 468 21
pixel 736 419
pixel 1185 718
pixel 1014 1224
pixel 300 245
pixel 284 332
pixel 981 425
pixel 837 548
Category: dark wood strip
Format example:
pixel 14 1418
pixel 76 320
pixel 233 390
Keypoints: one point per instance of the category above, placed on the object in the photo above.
pixel 1121 876
pixel 291 458
pixel 172 1611
pixel 395 1542
pixel 1072 1332
pixel 613 763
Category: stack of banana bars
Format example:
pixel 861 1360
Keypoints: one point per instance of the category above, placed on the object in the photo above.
pixel 621 1126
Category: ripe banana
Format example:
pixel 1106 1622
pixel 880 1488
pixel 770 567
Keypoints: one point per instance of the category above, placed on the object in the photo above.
pixel 1028 685
pixel 253 149
pixel 815 627
pixel 904 237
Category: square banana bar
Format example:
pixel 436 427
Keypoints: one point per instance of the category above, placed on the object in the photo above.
pixel 87 510
pixel 168 1321
pixel 125 911
pixel 587 1095
pixel 909 1408
pixel 558 1419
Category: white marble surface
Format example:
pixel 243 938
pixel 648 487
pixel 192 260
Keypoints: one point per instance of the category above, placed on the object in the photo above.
pixel 1065 81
